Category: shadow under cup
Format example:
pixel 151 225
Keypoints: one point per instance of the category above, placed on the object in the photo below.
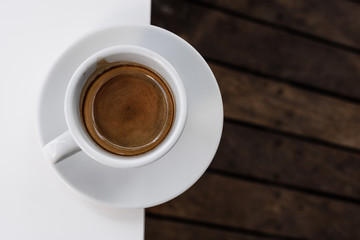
pixel 127 108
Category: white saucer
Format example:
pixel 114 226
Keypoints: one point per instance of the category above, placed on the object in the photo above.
pixel 167 177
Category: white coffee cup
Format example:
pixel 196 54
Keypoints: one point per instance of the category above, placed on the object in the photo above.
pixel 76 137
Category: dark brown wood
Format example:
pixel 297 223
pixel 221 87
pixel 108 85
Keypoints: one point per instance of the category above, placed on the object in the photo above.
pixel 285 160
pixel 241 204
pixel 163 229
pixel 286 108
pixel 336 21
pixel 288 165
pixel 257 47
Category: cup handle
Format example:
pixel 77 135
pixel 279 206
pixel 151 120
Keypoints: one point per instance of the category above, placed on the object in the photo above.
pixel 60 148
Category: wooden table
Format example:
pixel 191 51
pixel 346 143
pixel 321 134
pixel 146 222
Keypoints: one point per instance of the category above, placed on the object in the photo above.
pixel 288 166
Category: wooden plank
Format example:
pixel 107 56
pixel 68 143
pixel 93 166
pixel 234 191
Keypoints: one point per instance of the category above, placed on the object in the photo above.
pixel 286 160
pixel 336 21
pixel 270 51
pixel 286 108
pixel 162 229
pixel 240 204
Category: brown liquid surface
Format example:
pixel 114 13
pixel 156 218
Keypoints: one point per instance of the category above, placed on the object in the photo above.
pixel 127 109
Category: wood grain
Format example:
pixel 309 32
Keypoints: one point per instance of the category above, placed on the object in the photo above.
pixel 276 53
pixel 286 160
pixel 280 106
pixel 288 163
pixel 336 21
pixel 161 229
pixel 240 204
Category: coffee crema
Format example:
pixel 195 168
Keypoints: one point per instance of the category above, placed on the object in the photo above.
pixel 127 108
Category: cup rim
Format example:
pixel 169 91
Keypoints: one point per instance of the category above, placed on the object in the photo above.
pixel 83 139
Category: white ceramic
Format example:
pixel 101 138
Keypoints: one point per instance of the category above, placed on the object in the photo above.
pixel 178 169
pixel 77 138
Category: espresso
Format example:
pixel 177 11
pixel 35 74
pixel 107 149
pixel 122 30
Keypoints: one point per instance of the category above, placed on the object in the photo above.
pixel 127 108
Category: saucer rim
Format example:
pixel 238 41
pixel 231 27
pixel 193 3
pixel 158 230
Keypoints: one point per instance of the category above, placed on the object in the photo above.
pixel 212 152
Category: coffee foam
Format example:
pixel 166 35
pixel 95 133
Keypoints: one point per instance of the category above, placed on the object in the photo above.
pixel 127 108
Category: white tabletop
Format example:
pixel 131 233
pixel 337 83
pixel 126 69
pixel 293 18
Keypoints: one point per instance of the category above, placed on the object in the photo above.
pixel 34 202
